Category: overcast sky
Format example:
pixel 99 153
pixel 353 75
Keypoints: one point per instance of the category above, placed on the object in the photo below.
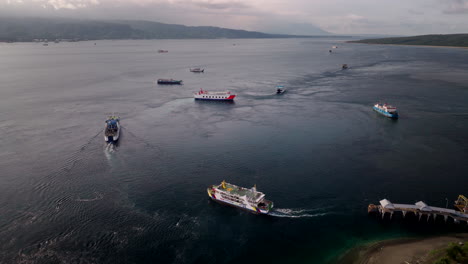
pixel 394 17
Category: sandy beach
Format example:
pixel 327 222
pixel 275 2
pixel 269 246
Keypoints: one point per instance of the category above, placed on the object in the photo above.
pixel 405 251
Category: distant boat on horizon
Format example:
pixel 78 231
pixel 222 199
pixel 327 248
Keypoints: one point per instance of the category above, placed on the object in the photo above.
pixel 169 81
pixel 197 70
pixel 280 89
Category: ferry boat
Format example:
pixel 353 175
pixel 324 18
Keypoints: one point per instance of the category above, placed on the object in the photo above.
pixel 197 70
pixel 112 129
pixel 217 96
pixel 169 81
pixel 248 199
pixel 386 110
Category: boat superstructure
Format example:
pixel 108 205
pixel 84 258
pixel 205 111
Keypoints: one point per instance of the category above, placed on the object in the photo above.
pixel 386 110
pixel 112 129
pixel 218 96
pixel 248 199
pixel 280 89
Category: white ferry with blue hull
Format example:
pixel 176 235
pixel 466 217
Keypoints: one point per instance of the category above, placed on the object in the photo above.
pixel 247 199
pixel 386 110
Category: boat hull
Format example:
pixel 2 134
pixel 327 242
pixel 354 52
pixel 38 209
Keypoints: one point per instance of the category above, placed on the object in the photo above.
pixel 209 97
pixel 113 138
pixel 217 198
pixel 169 83
pixel 213 99
pixel 385 113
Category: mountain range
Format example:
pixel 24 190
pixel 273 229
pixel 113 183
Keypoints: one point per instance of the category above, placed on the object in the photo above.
pixel 28 29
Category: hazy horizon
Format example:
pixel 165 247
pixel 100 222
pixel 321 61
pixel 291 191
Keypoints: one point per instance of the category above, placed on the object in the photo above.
pixel 286 17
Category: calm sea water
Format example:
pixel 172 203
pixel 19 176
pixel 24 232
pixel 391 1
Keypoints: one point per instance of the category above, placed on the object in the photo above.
pixel 318 151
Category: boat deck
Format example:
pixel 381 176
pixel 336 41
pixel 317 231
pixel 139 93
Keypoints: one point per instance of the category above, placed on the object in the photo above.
pixel 240 191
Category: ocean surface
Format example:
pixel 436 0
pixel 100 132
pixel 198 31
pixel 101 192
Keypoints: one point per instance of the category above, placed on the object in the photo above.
pixel 318 151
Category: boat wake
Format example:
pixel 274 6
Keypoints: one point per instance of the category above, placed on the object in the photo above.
pixel 142 140
pixel 109 150
pixel 298 213
pixel 98 196
pixel 110 147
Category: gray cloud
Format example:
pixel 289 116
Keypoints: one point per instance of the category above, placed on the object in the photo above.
pixel 415 12
pixel 456 7
pixel 218 6
pixel 396 17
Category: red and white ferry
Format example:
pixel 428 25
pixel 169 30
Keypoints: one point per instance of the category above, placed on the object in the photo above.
pixel 218 96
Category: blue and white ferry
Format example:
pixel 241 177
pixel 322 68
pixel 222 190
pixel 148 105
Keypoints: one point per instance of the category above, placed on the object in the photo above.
pixel 386 110
pixel 112 129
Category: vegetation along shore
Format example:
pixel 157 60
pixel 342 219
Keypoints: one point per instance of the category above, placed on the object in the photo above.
pixel 449 40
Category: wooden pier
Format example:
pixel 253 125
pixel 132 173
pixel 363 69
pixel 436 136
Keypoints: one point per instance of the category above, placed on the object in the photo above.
pixel 421 209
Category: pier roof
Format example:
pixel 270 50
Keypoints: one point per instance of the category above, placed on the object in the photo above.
pixel 423 206
pixel 387 204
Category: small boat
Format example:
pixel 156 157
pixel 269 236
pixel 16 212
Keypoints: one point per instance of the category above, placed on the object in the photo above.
pixel 112 129
pixel 197 70
pixel 330 51
pixel 169 81
pixel 45 44
pixel 344 66
pixel 163 51
pixel 240 197
pixel 280 89
pixel 214 96
pixel 386 110
pixel 334 47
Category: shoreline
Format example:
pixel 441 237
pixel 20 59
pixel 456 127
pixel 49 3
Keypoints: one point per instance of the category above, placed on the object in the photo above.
pixel 419 45
pixel 400 250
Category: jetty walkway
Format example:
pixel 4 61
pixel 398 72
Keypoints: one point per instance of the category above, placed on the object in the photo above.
pixel 419 209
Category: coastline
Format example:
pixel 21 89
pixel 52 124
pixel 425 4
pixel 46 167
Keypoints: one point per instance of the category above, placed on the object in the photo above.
pixel 401 250
pixel 429 46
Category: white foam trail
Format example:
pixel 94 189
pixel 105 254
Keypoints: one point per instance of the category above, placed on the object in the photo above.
pixel 290 211
pixel 98 196
pixel 109 150
pixel 297 216
pixel 298 213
